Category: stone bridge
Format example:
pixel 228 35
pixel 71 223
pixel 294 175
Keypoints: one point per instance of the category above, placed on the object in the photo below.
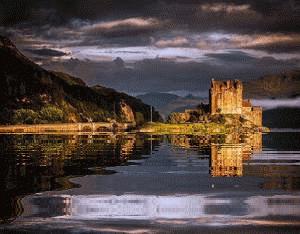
pixel 67 127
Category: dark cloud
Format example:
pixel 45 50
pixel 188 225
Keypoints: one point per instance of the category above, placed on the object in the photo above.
pixel 173 42
pixel 146 22
pixel 237 15
pixel 167 75
pixel 123 27
pixel 269 42
pixel 292 46
pixel 159 23
pixel 182 30
pixel 233 56
pixel 46 52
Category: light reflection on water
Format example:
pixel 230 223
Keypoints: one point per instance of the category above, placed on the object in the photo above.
pixel 150 207
pixel 36 163
pixel 208 180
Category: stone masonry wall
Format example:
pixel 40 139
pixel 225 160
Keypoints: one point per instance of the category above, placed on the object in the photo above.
pixel 226 97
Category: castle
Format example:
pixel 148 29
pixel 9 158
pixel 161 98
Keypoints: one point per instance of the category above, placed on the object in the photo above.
pixel 226 97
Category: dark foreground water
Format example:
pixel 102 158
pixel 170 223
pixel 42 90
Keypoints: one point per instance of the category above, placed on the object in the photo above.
pixel 150 184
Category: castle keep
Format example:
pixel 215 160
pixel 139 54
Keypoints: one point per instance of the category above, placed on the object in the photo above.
pixel 226 97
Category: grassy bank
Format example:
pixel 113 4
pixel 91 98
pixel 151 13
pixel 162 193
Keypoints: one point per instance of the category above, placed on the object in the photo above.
pixel 186 128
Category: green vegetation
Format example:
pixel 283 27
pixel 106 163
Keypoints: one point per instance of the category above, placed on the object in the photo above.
pixel 186 128
pixel 25 116
pixel 48 114
pixel 51 114
pixel 101 115
pixel 175 118
pixel 200 114
pixel 193 122
pixel 139 118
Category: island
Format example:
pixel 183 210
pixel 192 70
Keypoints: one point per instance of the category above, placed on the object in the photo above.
pixel 226 112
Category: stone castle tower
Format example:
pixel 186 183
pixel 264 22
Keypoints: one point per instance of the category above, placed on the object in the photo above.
pixel 226 97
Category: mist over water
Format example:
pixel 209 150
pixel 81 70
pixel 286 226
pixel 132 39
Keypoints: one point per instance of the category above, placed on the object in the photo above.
pixel 276 103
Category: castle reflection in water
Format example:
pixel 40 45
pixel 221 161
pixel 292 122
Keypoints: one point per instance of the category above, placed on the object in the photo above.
pixel 227 158
pixel 227 153
pixel 36 163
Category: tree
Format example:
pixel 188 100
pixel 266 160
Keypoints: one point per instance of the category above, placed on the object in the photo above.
pixel 25 116
pixel 139 118
pixel 51 114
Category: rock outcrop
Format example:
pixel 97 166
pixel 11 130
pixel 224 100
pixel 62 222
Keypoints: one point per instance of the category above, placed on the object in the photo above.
pixel 126 112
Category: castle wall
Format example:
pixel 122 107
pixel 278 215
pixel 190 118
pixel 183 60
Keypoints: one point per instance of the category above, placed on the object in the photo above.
pixel 226 97
pixel 253 114
pixel 257 115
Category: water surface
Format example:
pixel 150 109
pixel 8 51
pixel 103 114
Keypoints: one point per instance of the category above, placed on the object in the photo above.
pixel 143 183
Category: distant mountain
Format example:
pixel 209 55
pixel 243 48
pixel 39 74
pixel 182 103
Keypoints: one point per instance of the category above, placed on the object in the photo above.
pixel 284 85
pixel 31 94
pixel 166 103
pixel 158 100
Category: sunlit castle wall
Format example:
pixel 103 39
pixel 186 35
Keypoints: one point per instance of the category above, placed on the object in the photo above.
pixel 252 113
pixel 226 97
pixel 257 115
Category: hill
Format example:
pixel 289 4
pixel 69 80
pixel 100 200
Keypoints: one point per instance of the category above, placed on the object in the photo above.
pixel 284 85
pixel 166 103
pixel 159 100
pixel 31 94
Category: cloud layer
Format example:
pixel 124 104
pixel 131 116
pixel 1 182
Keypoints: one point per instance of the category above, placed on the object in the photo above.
pixel 177 43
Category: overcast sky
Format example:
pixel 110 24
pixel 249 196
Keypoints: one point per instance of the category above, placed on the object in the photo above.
pixel 164 45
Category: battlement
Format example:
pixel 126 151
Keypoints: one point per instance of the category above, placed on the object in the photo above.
pixel 227 84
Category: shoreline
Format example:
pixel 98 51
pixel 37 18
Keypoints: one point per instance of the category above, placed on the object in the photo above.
pixel 198 129
pixel 103 127
pixel 148 128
